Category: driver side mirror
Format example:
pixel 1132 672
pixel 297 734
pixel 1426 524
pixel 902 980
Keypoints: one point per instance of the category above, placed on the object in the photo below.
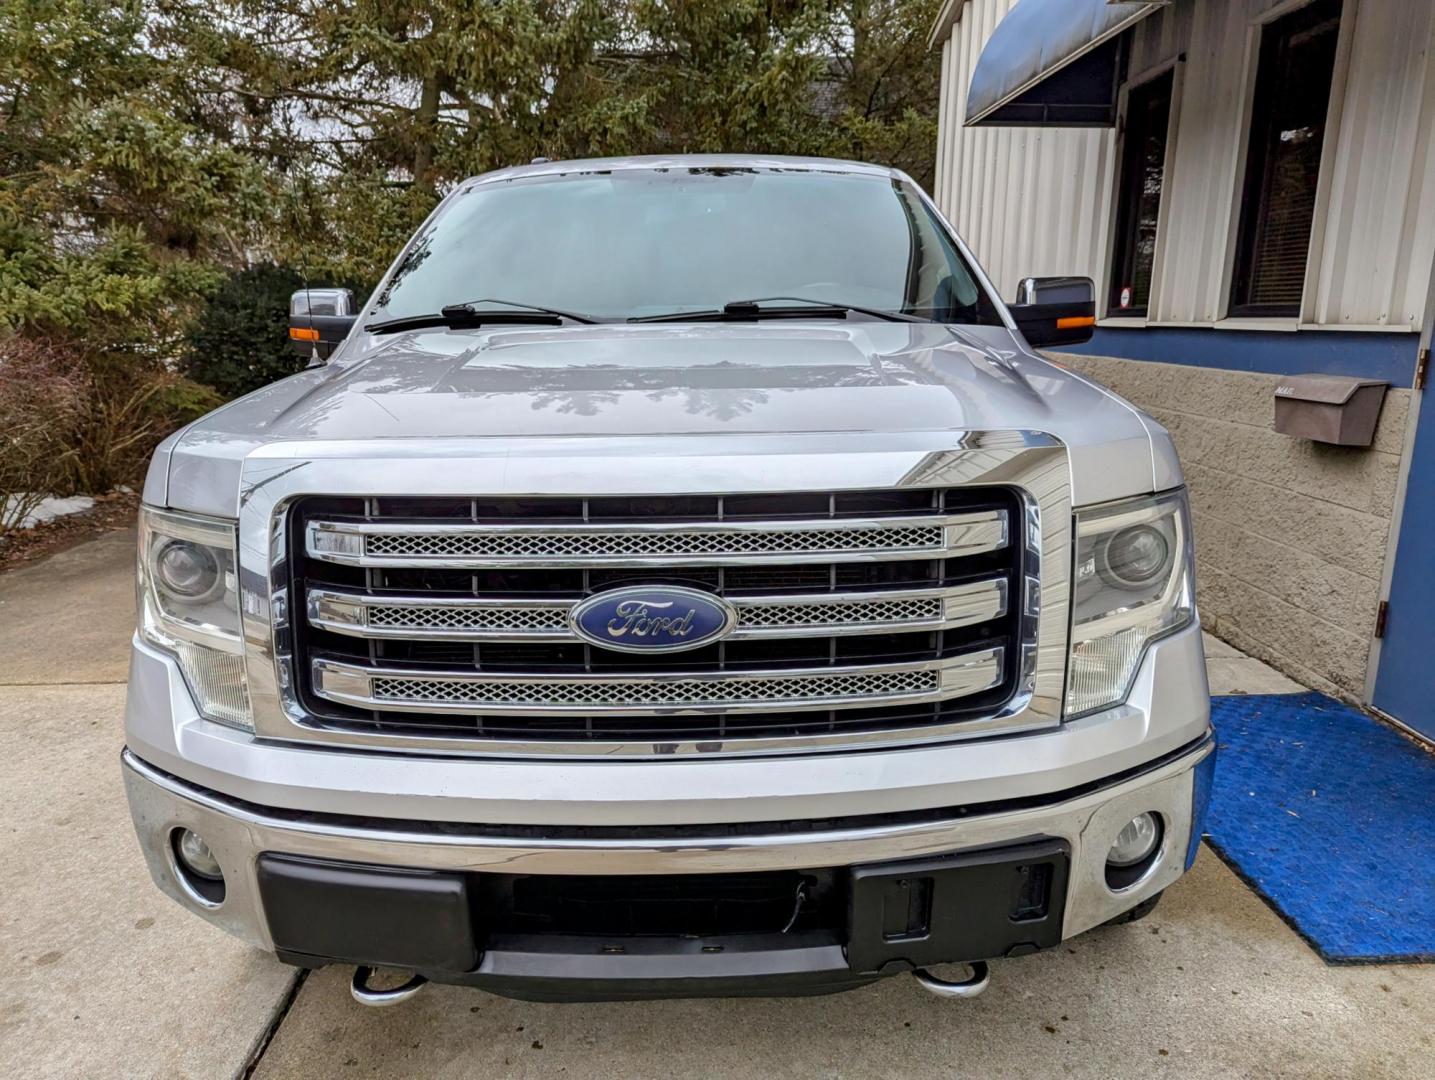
pixel 1055 310
pixel 319 320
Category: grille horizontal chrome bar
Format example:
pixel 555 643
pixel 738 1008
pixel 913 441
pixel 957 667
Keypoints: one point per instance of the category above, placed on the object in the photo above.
pixel 476 619
pixel 733 543
pixel 660 694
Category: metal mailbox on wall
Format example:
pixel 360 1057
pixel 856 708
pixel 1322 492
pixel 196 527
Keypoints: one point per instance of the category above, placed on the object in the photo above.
pixel 1335 409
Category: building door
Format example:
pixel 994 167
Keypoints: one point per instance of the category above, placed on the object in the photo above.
pixel 1405 679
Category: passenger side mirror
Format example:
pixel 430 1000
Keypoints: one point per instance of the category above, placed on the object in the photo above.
pixel 1055 310
pixel 319 319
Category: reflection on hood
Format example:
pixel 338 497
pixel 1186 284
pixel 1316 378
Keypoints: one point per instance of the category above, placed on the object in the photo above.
pixel 671 379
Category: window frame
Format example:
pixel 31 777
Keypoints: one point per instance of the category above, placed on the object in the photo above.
pixel 1123 216
pixel 1253 187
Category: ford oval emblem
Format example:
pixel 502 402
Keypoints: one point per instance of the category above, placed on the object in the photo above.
pixel 652 618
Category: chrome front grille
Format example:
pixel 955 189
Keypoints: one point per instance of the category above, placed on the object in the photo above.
pixel 857 612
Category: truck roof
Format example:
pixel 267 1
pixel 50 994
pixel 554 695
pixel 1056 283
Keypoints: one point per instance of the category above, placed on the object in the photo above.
pixel 684 161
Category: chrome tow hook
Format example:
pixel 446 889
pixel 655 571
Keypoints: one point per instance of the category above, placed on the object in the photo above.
pixel 365 994
pixel 966 988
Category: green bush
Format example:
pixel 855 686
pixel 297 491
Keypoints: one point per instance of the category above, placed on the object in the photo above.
pixel 240 339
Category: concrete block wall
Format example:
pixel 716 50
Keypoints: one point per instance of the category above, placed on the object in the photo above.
pixel 1290 535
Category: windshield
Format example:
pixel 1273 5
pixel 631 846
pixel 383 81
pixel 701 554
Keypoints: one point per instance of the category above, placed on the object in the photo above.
pixel 641 242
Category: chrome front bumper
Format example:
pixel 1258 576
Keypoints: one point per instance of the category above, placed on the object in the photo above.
pixel 1167 709
pixel 1086 819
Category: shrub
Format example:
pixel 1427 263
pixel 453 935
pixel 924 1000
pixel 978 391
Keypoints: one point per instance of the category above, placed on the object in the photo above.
pixel 240 340
pixel 82 419
pixel 42 394
pixel 131 402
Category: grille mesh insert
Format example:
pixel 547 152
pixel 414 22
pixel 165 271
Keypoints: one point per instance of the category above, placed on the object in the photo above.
pixel 677 693
pixel 519 619
pixel 562 545
pixel 467 617
pixel 799 616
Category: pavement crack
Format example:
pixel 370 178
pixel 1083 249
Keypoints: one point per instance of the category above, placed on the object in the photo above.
pixel 261 1044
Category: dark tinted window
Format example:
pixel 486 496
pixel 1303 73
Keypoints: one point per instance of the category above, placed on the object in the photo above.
pixel 1297 63
pixel 637 242
pixel 1143 170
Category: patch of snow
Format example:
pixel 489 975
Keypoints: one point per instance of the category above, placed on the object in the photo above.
pixel 49 508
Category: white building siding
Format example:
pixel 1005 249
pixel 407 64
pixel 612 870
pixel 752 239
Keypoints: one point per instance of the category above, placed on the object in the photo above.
pixel 1039 201
pixel 1374 266
pixel 1024 198
pixel 1199 201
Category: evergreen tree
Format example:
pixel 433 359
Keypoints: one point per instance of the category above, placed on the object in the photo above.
pixel 150 146
pixel 115 204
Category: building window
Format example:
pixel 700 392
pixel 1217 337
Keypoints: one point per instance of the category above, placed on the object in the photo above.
pixel 1138 198
pixel 1297 63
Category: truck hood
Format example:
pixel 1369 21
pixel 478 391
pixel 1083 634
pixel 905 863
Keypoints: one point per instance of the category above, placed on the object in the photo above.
pixel 676 380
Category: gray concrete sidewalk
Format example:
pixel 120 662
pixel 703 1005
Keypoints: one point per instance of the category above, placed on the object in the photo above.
pixel 107 977
pixel 68 620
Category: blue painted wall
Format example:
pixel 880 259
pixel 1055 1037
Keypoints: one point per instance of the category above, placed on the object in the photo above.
pixel 1371 355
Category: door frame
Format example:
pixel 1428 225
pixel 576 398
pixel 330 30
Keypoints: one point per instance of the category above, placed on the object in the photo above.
pixel 1408 465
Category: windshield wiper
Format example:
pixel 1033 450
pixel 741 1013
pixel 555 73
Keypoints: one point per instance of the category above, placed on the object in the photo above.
pixel 745 310
pixel 470 313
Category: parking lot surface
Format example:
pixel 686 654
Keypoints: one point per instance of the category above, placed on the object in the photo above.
pixel 107 977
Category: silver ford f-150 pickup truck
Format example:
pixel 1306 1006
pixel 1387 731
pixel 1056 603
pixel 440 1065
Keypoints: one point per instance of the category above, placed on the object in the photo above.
pixel 681 577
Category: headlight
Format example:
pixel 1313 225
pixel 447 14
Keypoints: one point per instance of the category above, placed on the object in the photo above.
pixel 189 606
pixel 1134 582
pixel 186 572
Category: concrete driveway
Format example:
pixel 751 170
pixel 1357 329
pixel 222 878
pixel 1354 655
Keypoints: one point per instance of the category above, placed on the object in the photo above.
pixel 106 977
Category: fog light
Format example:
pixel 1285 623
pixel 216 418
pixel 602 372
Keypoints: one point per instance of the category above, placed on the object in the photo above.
pixel 1136 841
pixel 195 856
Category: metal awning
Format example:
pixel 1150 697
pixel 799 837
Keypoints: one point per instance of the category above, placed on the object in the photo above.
pixel 1053 63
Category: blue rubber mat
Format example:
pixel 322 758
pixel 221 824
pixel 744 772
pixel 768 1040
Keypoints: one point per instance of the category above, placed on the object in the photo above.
pixel 1330 816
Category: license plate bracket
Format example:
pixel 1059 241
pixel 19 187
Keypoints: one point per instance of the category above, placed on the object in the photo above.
pixel 973 905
